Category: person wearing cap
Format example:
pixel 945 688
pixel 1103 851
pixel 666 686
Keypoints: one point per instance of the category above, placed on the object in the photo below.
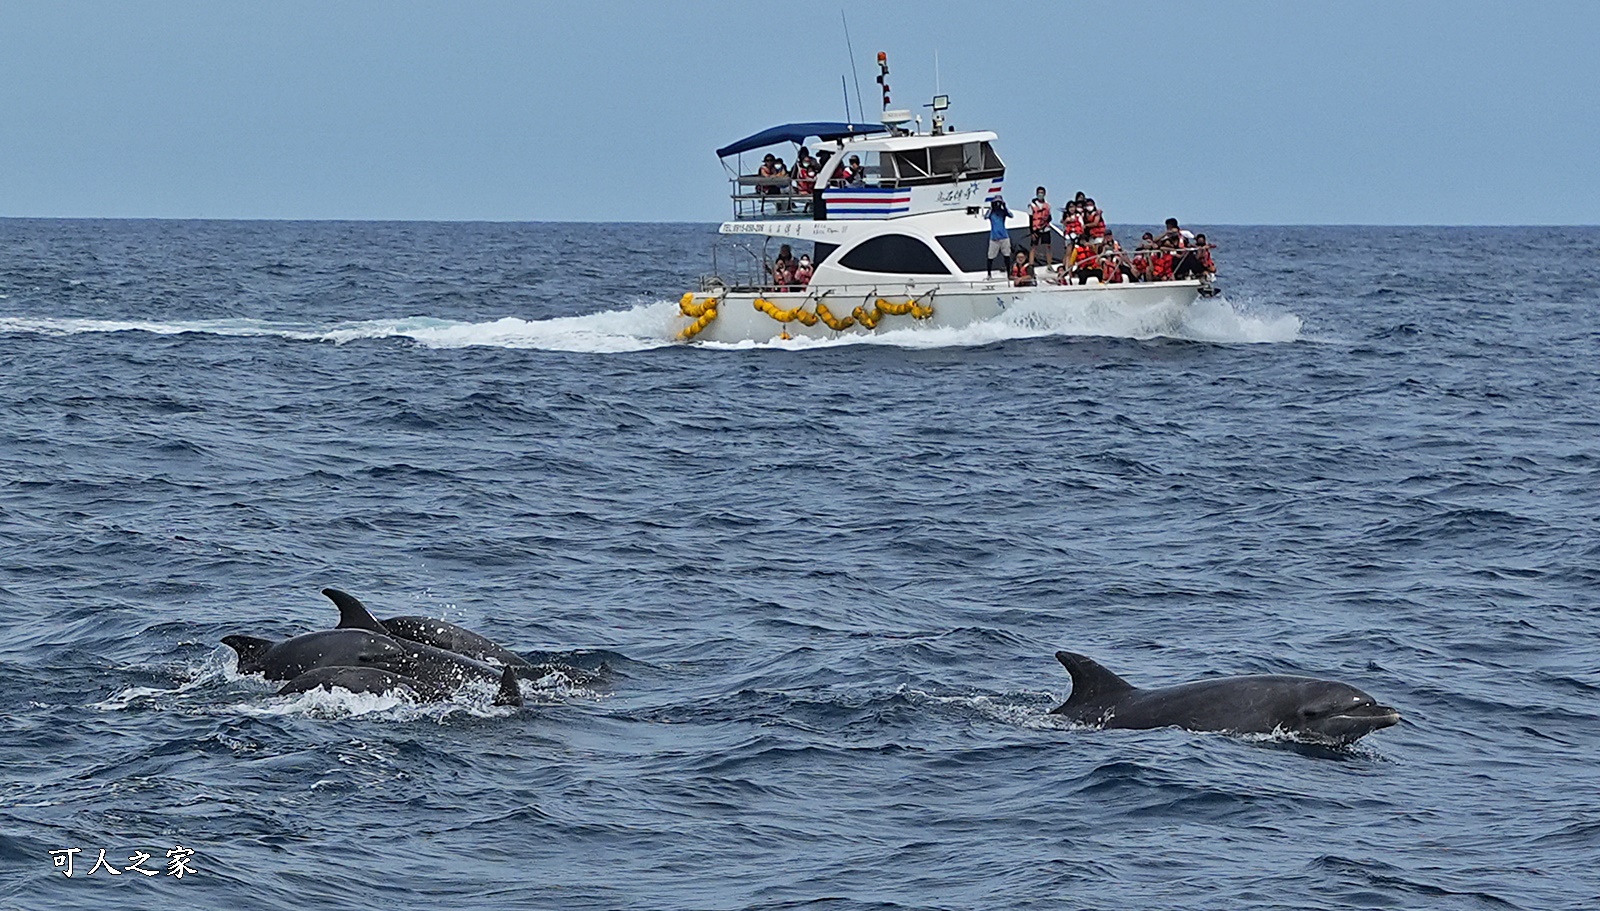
pixel 999 237
pixel 855 174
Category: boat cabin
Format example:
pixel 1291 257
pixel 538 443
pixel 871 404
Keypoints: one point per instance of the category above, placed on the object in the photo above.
pixel 902 173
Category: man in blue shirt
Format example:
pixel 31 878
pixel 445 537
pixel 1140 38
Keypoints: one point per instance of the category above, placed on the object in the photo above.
pixel 999 237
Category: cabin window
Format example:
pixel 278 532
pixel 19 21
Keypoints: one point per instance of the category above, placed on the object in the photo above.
pixel 912 165
pixel 946 160
pixel 894 253
pixel 969 250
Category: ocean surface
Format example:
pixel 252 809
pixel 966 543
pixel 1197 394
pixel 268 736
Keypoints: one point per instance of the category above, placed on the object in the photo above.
pixel 809 593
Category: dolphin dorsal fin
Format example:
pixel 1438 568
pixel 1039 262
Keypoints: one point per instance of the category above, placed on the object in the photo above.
pixel 1090 682
pixel 510 690
pixel 352 613
pixel 250 649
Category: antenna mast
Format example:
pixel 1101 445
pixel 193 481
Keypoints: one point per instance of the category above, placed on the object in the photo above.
pixel 860 108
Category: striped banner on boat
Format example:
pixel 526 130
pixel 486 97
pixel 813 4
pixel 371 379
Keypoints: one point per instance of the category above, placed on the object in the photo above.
pixel 870 202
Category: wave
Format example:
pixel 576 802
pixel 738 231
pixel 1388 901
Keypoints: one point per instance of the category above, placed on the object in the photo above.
pixel 643 327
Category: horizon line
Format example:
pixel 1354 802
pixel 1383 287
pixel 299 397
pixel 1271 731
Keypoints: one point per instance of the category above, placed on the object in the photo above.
pixel 538 221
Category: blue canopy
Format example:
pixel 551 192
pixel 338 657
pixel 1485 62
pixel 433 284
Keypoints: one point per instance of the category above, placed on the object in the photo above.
pixel 797 132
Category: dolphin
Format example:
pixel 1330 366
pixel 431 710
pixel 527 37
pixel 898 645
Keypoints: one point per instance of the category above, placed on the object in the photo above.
pixel 359 648
pixel 294 656
pixel 1320 711
pixel 378 682
pixel 426 630
pixel 364 680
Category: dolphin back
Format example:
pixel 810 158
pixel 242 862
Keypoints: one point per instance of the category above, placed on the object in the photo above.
pixel 452 638
pixel 1092 686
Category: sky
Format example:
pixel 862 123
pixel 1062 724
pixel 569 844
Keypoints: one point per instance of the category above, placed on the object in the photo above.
pixel 1358 112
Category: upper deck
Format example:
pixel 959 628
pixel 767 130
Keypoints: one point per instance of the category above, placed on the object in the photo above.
pixel 902 173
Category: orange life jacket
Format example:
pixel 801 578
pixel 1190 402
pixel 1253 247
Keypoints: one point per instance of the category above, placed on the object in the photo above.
pixel 1095 224
pixel 1039 215
pixel 1084 257
pixel 802 275
pixel 1161 267
pixel 1021 274
pixel 1072 224
pixel 1205 260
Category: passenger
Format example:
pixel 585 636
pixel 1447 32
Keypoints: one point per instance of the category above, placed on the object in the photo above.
pixel 769 169
pixel 1094 220
pixel 805 172
pixel 1202 252
pixel 805 178
pixel 1161 265
pixel 1085 261
pixel 1174 237
pixel 1021 270
pixel 1186 260
pixel 1142 255
pixel 783 268
pixel 999 237
pixel 1114 266
pixel 803 270
pixel 1039 228
pixel 782 173
pixel 856 175
pixel 1072 223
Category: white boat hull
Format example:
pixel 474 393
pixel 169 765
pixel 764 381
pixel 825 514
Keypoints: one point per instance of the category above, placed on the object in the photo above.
pixel 1138 309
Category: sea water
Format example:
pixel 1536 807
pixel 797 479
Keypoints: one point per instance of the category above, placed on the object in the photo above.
pixel 814 588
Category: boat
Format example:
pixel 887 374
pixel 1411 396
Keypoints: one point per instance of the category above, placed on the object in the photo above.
pixel 902 246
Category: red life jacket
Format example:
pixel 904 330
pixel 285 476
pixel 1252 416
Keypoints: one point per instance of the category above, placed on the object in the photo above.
pixel 1161 267
pixel 1072 224
pixel 1095 224
pixel 1205 260
pixel 802 275
pixel 1021 274
pixel 805 180
pixel 1039 215
pixel 1084 257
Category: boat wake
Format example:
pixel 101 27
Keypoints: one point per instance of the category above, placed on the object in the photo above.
pixel 647 326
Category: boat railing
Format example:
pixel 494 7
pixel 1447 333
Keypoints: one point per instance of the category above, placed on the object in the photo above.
pixel 756 197
pixel 870 290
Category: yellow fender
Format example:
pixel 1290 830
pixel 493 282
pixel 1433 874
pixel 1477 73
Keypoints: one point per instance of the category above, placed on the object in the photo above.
pixel 688 307
pixel 806 317
pixel 867 318
pixel 900 309
pixel 704 318
pixel 833 322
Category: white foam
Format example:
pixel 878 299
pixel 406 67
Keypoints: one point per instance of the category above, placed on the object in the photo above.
pixel 645 326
